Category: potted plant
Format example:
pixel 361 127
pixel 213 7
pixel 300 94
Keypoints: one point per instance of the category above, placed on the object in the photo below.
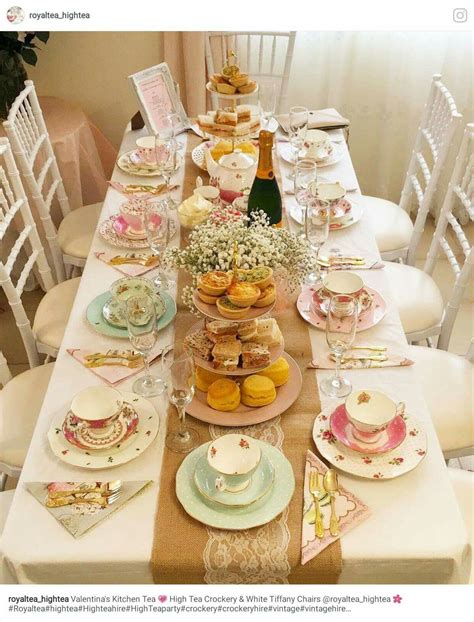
pixel 15 49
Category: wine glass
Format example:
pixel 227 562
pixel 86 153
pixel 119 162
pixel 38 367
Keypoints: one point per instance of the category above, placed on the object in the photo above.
pixel 341 324
pixel 165 150
pixel 181 392
pixel 157 227
pixel 316 226
pixel 175 121
pixel 297 128
pixel 267 102
pixel 141 323
pixel 305 175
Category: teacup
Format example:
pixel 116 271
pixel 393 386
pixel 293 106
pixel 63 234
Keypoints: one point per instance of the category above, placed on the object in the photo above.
pixel 241 203
pixel 330 192
pixel 146 149
pixel 343 282
pixel 318 144
pixel 210 193
pixel 234 458
pixel 97 407
pixel 133 213
pixel 128 287
pixel 370 413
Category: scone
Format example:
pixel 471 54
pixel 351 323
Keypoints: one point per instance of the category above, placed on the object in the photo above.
pixel 258 391
pixel 223 395
pixel 204 378
pixel 279 372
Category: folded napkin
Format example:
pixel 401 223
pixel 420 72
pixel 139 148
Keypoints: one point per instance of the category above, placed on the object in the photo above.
pixel 142 191
pixel 86 503
pixel 392 361
pixel 325 119
pixel 111 365
pixel 369 264
pixel 130 269
pixel 349 509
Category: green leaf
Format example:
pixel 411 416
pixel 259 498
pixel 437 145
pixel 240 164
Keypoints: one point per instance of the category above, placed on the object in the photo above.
pixel 29 56
pixel 43 36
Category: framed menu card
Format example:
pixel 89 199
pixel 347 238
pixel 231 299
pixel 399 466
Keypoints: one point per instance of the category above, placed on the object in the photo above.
pixel 158 98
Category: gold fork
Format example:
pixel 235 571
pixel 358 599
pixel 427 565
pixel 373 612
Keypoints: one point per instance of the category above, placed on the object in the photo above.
pixel 315 490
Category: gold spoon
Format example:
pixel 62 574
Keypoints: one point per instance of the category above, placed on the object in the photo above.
pixel 331 486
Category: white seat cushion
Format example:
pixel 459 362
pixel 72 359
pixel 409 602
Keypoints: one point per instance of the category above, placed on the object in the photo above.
pixel 447 380
pixel 53 313
pixel 20 402
pixel 463 486
pixel 416 295
pixel 391 225
pixel 6 499
pixel 77 229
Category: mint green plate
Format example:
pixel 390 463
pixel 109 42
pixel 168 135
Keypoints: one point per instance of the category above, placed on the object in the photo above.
pixel 235 518
pixel 98 323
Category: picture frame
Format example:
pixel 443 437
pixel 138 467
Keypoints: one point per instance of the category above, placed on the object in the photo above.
pixel 157 97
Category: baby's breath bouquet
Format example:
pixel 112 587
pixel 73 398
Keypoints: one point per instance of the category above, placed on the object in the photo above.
pixel 211 247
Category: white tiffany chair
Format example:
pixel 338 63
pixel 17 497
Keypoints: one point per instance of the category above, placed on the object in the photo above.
pixel 266 56
pixel 53 311
pixel 395 234
pixel 28 135
pixel 417 296
pixel 21 399
pixel 463 486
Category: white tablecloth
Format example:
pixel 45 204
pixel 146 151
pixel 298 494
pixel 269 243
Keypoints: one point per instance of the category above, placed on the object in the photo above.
pixel 415 534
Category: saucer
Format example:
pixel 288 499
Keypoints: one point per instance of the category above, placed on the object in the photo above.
pixel 389 439
pixel 113 311
pixel 322 297
pixel 86 437
pixel 260 484
pixel 121 227
pixel 353 215
pixel 139 168
pixel 109 234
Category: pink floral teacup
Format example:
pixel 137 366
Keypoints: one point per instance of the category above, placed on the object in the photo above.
pixel 370 413
pixel 97 407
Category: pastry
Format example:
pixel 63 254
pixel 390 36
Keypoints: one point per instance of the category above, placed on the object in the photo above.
pixel 199 344
pixel 204 378
pixel 279 372
pixel 209 300
pixel 247 331
pixel 240 79
pixel 226 89
pixel 223 147
pixel 216 78
pixel 215 283
pixel 247 88
pixel 267 296
pixel 268 332
pixel 224 395
pixel 229 310
pixel 226 354
pixel 243 294
pixel 261 276
pixel 258 391
pixel 255 355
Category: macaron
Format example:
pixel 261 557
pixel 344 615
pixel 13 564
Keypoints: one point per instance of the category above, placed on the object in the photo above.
pixel 258 391
pixel 204 378
pixel 278 372
pixel 223 395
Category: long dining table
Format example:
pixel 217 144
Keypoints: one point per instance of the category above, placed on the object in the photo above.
pixel 414 534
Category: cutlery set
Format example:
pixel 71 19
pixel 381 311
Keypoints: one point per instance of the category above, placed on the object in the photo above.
pixel 320 486
pixel 133 258
pixel 103 495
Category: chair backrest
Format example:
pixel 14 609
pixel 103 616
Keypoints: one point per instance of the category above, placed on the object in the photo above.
pixel 16 219
pixel 433 140
pixel 449 235
pixel 31 145
pixel 266 56
pixel 5 373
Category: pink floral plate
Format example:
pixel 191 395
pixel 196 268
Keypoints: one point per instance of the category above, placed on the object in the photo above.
pixel 321 298
pixel 366 320
pixel 388 465
pixel 122 228
pixel 391 438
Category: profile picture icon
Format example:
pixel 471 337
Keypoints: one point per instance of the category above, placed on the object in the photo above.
pixel 15 15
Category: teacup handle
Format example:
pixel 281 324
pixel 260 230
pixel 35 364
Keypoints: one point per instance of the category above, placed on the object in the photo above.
pixel 400 408
pixel 220 483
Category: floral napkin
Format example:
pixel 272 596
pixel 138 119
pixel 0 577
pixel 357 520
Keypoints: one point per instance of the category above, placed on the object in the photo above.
pixel 392 361
pixel 82 513
pixel 350 511
pixel 142 191
pixel 112 258
pixel 113 366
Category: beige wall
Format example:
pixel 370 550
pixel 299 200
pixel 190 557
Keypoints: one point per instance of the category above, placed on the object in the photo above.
pixel 91 68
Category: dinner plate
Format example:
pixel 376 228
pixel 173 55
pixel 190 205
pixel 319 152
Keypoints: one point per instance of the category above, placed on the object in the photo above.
pixel 244 415
pixel 127 166
pixel 260 483
pixel 236 518
pixel 109 232
pixel 367 320
pixel 212 311
pixel 389 439
pixel 287 153
pixel 294 210
pixel 96 319
pixel 139 441
pixel 389 465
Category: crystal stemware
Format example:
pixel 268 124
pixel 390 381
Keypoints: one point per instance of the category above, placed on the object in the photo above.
pixel 157 227
pixel 305 175
pixel 341 324
pixel 316 231
pixel 141 323
pixel 180 385
pixel 267 97
pixel 165 150
pixel 297 128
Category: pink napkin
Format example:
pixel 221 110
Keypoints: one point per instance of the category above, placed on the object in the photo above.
pixel 350 510
pixel 129 269
pixel 113 374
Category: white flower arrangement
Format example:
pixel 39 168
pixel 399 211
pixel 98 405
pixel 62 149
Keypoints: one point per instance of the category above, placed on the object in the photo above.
pixel 211 247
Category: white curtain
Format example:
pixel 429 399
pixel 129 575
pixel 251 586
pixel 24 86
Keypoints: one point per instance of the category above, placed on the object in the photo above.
pixel 380 81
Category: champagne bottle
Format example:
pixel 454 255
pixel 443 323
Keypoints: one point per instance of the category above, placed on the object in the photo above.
pixel 265 194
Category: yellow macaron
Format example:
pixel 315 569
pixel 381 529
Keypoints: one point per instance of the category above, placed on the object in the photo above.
pixel 223 395
pixel 258 391
pixel 279 372
pixel 204 378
